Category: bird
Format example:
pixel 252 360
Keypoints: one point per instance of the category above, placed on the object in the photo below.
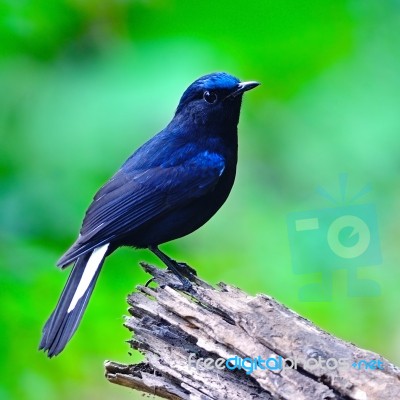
pixel 168 188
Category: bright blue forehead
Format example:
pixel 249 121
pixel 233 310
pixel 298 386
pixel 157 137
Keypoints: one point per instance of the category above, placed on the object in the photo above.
pixel 215 81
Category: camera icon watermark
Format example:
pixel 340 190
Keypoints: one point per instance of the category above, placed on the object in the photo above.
pixel 328 239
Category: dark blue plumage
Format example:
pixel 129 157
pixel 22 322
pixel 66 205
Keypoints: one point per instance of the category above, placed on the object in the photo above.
pixel 168 188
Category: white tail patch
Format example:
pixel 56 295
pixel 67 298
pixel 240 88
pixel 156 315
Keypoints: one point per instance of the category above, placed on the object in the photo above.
pixel 88 274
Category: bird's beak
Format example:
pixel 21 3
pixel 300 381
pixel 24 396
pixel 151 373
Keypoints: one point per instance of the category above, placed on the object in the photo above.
pixel 243 87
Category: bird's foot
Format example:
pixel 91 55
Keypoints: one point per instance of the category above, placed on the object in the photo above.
pixel 185 269
pixel 184 286
pixel 181 270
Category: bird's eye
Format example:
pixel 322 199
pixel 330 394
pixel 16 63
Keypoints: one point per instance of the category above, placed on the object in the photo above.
pixel 210 97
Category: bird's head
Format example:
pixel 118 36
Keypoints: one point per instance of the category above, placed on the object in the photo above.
pixel 214 98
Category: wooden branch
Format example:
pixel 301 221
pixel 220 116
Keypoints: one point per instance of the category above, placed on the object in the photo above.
pixel 174 330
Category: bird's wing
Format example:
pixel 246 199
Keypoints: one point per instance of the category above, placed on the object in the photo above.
pixel 132 199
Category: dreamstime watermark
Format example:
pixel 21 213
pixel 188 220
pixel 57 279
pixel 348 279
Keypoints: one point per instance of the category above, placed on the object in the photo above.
pixel 279 363
pixel 344 236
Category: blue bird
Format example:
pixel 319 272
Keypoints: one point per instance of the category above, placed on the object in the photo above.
pixel 168 188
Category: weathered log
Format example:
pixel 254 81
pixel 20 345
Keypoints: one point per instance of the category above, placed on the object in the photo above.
pixel 174 330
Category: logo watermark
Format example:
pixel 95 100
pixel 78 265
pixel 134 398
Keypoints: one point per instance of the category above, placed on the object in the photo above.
pixel 341 237
pixel 279 363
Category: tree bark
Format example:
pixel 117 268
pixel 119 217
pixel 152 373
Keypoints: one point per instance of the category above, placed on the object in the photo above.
pixel 174 330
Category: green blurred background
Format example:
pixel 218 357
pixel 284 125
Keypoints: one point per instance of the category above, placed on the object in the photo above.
pixel 84 83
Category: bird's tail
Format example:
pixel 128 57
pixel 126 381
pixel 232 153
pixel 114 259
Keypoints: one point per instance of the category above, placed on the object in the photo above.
pixel 65 318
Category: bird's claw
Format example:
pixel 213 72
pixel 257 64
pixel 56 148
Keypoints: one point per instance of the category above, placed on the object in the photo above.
pixel 185 268
pixel 184 286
